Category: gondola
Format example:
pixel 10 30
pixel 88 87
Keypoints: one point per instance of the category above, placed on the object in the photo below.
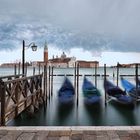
pixel 116 94
pixel 66 93
pixel 131 88
pixel 91 93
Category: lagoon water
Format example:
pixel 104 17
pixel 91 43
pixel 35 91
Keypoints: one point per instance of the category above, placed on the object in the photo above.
pixel 81 115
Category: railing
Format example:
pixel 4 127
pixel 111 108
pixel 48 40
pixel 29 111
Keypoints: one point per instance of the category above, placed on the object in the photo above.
pixel 10 77
pixel 18 94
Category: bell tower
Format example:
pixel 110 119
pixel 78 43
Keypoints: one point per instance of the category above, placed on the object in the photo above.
pixel 45 53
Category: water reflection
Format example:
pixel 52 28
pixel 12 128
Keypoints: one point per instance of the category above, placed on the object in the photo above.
pixel 126 114
pixel 94 112
pixel 24 119
pixel 63 113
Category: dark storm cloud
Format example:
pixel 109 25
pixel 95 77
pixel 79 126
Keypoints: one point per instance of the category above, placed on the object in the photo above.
pixel 99 25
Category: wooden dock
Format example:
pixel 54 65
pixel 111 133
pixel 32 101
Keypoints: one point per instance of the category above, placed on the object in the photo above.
pixel 70 133
pixel 17 94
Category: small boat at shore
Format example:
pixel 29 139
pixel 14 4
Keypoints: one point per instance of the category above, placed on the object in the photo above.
pixel 116 94
pixel 91 93
pixel 66 93
pixel 131 88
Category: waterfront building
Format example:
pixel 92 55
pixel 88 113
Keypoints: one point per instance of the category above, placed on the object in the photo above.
pixel 72 61
pixel 62 61
pixel 8 64
pixel 88 64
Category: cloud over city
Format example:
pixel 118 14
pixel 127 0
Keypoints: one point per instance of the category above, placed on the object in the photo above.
pixel 97 25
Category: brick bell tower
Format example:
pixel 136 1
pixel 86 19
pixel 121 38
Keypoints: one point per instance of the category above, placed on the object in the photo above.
pixel 45 53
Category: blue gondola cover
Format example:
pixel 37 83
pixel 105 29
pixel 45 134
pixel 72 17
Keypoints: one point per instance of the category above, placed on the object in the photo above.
pixel 66 92
pixel 91 93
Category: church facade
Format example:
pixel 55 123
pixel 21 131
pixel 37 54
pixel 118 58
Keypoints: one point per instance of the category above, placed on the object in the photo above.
pixel 63 61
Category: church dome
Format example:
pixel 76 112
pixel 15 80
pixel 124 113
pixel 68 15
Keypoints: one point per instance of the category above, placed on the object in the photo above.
pixel 63 55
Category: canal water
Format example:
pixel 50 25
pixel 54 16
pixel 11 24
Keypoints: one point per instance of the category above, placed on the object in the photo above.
pixel 55 114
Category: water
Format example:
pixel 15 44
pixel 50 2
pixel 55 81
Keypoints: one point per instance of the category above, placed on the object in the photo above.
pixel 97 115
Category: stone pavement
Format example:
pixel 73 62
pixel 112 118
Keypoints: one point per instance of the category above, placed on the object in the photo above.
pixel 70 133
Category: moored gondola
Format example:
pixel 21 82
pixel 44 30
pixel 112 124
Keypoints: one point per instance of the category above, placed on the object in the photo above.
pixel 91 93
pixel 131 88
pixel 117 94
pixel 66 93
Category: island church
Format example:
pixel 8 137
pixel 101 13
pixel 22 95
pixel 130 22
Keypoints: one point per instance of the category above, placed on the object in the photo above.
pixel 64 62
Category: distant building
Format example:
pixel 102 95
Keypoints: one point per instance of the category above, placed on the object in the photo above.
pixel 131 65
pixel 8 64
pixel 62 61
pixel 14 64
pixel 88 64
pixel 71 63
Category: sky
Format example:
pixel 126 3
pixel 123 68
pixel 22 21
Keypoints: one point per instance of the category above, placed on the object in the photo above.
pixel 103 30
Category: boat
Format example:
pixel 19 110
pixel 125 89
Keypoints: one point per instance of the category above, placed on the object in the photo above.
pixel 116 94
pixel 66 93
pixel 91 93
pixel 131 88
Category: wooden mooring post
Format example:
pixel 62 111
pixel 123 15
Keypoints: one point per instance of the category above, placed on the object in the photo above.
pixel 49 82
pixel 104 82
pixel 2 92
pixel 52 81
pixel 117 74
pixel 75 66
pixel 25 69
pixel 19 68
pixel 95 75
pixel 136 73
pixel 33 70
pixel 15 69
pixel 39 69
pixel 45 83
pixel 113 73
pixel 77 84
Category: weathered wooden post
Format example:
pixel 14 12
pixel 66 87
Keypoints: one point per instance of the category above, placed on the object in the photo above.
pixel 136 74
pixel 15 69
pixel 117 74
pixel 95 75
pixel 52 82
pixel 113 73
pixel 77 83
pixel 39 69
pixel 31 107
pixel 104 85
pixel 19 68
pixel 49 82
pixel 17 98
pixel 75 77
pixel 44 84
pixel 25 69
pixel 33 70
pixel 2 96
pixel 25 91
